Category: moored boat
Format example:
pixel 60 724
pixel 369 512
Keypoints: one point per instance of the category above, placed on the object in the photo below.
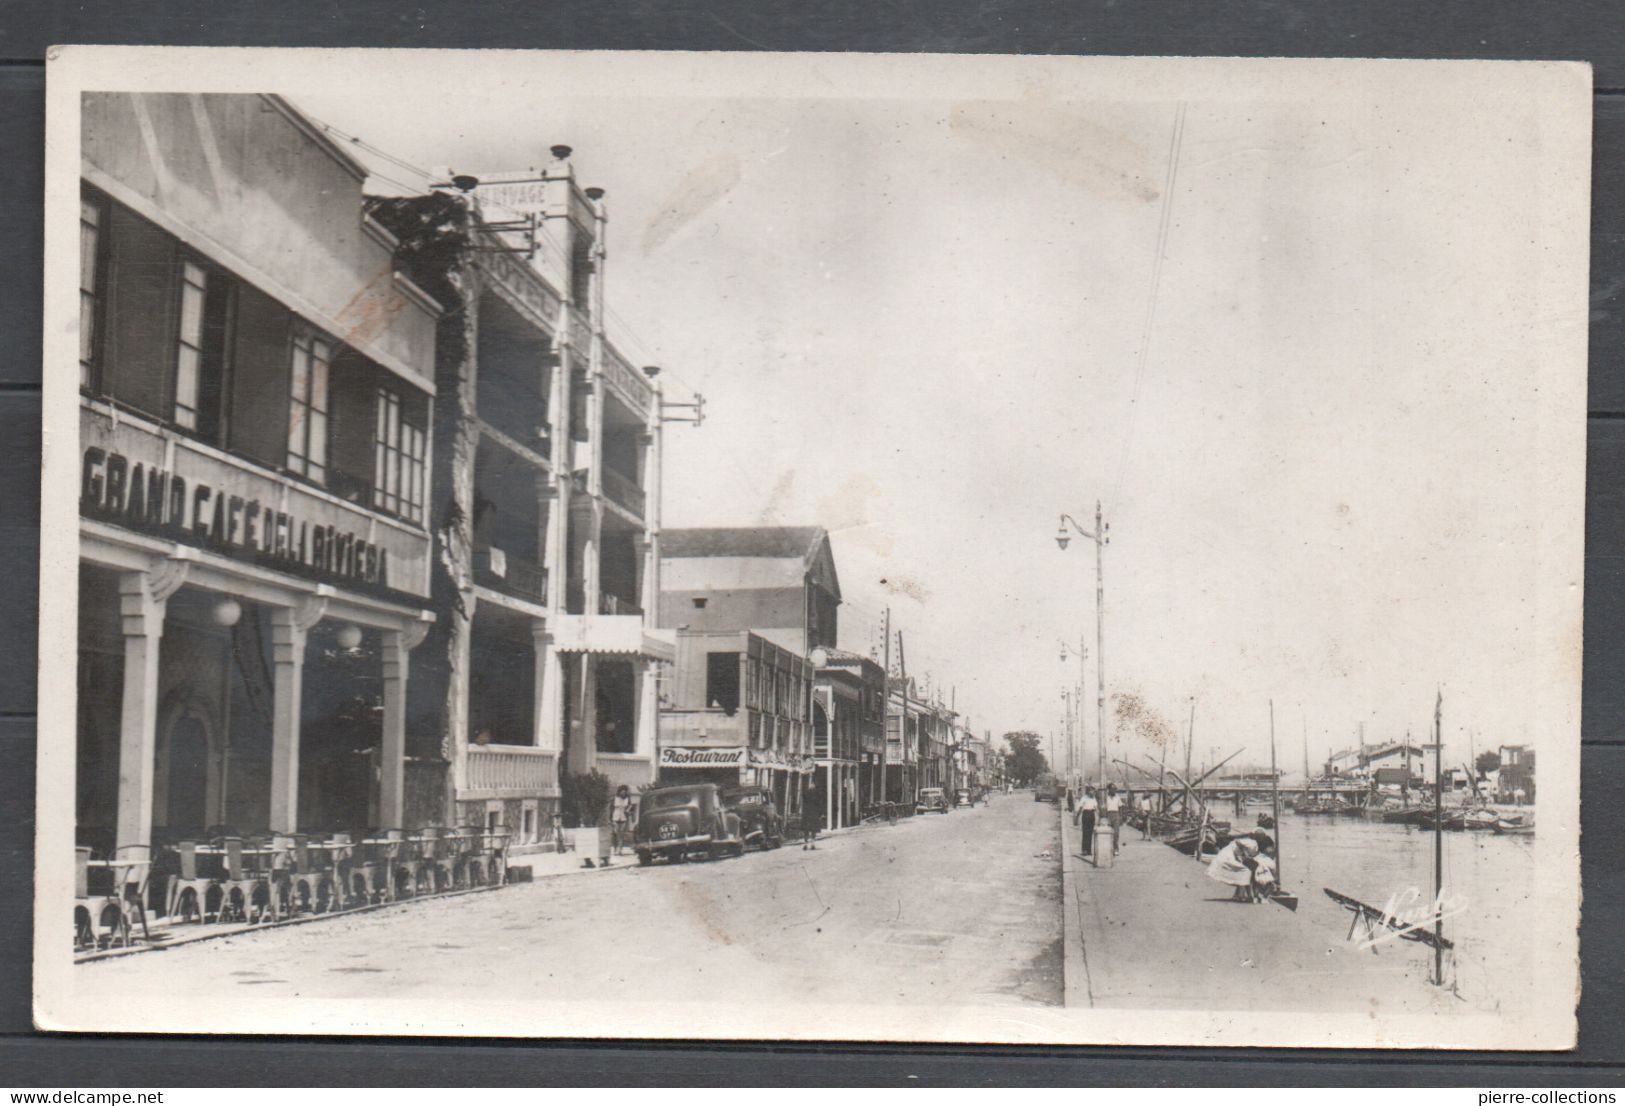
pixel 1514 824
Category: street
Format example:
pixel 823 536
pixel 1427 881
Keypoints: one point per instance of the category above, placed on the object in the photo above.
pixel 958 909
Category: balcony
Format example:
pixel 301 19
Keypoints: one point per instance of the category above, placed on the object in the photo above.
pixel 510 772
pixel 614 604
pixel 623 491
pixel 510 574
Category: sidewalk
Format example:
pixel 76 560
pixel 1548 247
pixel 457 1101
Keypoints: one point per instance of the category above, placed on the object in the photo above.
pixel 1154 932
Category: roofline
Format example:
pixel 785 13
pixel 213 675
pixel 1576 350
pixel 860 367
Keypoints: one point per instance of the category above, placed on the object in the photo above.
pixel 316 134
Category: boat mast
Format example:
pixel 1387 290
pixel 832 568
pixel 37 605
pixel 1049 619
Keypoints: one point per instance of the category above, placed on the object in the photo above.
pixel 1275 791
pixel 1190 740
pixel 1438 844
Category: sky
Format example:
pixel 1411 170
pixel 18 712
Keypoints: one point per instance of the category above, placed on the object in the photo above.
pixel 923 324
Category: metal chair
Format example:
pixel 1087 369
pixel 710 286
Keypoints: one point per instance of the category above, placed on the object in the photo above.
pixel 246 887
pixel 188 890
pixel 119 903
pixel 311 885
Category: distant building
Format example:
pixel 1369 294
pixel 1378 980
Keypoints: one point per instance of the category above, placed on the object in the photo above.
pixel 848 733
pixel 1515 780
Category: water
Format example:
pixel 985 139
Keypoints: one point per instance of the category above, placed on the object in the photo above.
pixel 1491 875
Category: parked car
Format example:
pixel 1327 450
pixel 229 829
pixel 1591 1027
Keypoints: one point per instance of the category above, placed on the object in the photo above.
pixel 931 798
pixel 686 820
pixel 760 823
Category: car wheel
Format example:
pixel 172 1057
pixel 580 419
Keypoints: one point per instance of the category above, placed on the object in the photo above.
pixel 645 858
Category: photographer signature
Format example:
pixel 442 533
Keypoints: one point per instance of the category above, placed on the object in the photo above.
pixel 1406 912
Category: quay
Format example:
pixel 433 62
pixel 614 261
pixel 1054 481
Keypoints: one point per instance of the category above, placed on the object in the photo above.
pixel 1154 932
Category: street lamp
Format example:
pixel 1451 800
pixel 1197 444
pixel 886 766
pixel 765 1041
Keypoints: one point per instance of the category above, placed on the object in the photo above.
pixel 1103 846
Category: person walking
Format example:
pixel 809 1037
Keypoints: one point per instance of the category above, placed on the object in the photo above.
pixel 1114 815
pixel 809 823
pixel 1088 811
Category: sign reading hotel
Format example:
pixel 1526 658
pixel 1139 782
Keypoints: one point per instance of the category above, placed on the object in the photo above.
pixel 133 477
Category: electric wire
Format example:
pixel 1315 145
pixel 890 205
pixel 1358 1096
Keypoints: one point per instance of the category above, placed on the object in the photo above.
pixel 1147 329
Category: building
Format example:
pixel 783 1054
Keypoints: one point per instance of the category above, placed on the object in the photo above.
pixel 1396 763
pixel 734 711
pixel 544 498
pixel 778 583
pixel 256 382
pixel 777 580
pixel 848 693
pixel 1515 779
pixel 864 699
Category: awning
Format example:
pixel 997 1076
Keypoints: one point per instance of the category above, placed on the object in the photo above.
pixel 613 633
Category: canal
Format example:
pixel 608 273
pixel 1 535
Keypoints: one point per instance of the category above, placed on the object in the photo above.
pixel 1489 876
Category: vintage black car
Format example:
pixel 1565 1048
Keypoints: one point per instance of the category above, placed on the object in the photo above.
pixel 931 798
pixel 760 823
pixel 685 820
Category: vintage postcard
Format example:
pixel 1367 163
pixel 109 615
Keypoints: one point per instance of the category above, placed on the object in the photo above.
pixel 912 548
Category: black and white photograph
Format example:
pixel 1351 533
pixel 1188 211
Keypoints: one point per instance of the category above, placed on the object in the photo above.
pixel 1037 550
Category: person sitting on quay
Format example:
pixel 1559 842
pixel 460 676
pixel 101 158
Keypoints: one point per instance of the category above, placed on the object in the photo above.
pixel 1247 864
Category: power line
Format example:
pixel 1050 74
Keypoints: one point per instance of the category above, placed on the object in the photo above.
pixel 1148 327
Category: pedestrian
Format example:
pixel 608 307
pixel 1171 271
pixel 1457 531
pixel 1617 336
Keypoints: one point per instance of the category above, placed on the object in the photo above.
pixel 1114 815
pixel 809 823
pixel 1088 811
pixel 620 815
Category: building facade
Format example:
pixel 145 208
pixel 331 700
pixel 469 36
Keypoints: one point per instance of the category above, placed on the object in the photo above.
pixel 545 500
pixel 256 382
pixel 777 580
pixel 849 695
pixel 734 711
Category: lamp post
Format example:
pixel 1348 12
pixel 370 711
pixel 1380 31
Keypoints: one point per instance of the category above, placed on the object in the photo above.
pixel 1104 845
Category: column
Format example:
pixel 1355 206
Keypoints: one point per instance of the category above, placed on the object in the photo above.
pixel 142 599
pixel 290 627
pixel 648 725
pixel 398 645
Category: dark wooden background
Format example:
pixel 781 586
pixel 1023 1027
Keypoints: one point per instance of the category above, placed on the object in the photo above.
pixel 1591 31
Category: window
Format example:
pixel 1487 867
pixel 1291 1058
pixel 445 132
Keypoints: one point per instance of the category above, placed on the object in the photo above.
pixel 90 288
pixel 307 409
pixel 398 451
pixel 189 344
pixel 722 681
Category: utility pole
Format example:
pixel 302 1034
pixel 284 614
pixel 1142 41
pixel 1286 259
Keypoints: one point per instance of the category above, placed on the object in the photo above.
pixel 885 708
pixel 1105 844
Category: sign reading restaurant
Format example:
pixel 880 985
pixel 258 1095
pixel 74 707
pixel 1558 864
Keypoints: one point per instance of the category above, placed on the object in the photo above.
pixel 133 477
pixel 683 756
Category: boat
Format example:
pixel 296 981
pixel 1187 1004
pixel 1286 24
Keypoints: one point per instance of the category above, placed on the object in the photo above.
pixel 1318 805
pixel 1516 824
pixel 1481 819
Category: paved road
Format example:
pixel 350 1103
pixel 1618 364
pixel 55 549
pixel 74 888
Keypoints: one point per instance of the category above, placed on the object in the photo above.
pixel 959 909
